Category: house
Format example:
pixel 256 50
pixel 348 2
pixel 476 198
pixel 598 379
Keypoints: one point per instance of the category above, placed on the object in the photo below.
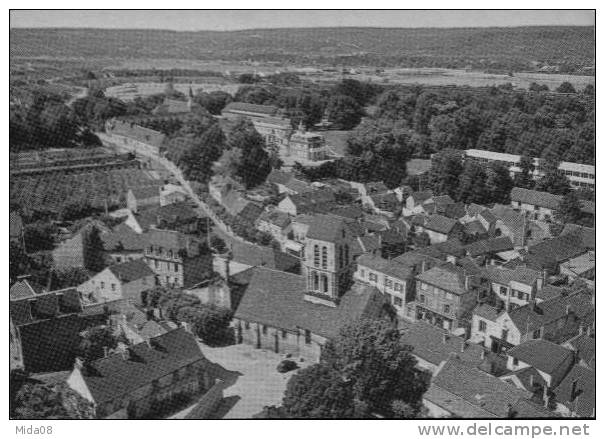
pixel 550 254
pixel 180 217
pixel 170 194
pixel 550 360
pixel 238 206
pixel 515 287
pixel 586 234
pixel 219 186
pixel 584 345
pixel 278 312
pixel 177 259
pixel 415 201
pixel 318 201
pixel 575 396
pixel 433 345
pixel 123 244
pixel 127 133
pixel 45 329
pixel 127 280
pixel 306 145
pixel 557 320
pixel 445 296
pixel 242 255
pixel 460 390
pixel 24 288
pixel 501 248
pixel 213 292
pixel 539 205
pixel 135 382
pixel 393 279
pixel 287 183
pixel 138 325
pixel 441 228
pixel 384 203
pixel 276 223
pixel 582 266
pixel 71 251
pixel 172 107
pixel 140 198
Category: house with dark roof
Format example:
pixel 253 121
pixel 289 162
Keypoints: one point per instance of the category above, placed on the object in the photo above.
pixel 180 217
pixel 177 259
pixel 392 278
pixel 140 198
pixel 550 254
pixel 539 205
pixel 575 396
pixel 586 234
pixel 433 345
pixel 318 201
pixel 513 287
pixel 123 244
pixel 501 248
pixel 276 223
pixel 24 288
pixel 69 252
pixel 446 295
pixel 460 390
pixel 414 202
pixel 45 328
pixel 286 183
pixel 557 320
pixel 584 345
pixel 134 382
pixel 551 360
pixel 280 312
pixel 126 280
pixel 129 134
pixel 440 228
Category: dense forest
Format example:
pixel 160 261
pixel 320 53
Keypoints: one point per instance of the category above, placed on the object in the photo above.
pixel 508 49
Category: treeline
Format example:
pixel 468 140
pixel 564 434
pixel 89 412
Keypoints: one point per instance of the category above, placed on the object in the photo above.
pixel 45 121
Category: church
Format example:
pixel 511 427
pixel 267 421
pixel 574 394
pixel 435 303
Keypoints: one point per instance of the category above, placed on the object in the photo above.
pixel 297 314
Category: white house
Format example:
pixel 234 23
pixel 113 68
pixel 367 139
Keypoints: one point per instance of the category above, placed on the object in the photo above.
pixel 121 281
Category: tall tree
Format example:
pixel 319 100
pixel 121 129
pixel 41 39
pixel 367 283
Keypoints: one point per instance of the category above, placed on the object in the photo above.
pixel 94 251
pixel 95 341
pixel 570 208
pixel 344 112
pixel 524 178
pixel 446 167
pixel 498 183
pixel 553 180
pixel 471 184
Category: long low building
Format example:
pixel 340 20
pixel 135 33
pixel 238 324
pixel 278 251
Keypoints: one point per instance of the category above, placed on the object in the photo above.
pixel 579 175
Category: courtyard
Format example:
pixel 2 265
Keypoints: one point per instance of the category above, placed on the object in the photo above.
pixel 251 380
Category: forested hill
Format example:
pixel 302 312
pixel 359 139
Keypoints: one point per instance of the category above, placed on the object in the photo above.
pixel 499 48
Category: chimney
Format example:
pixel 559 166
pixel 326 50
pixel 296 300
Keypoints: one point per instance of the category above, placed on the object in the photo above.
pixel 531 382
pixel 510 413
pixel 545 395
pixel 445 338
pixel 567 309
pixel 105 351
pixel 463 346
pixel 185 326
pixel 483 354
pixel 423 266
pixel 467 282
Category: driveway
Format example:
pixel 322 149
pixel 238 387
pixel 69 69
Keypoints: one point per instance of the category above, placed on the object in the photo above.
pixel 251 379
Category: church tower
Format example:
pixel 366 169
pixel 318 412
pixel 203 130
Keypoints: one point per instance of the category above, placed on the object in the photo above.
pixel 328 260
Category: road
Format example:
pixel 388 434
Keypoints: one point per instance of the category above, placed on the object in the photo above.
pixel 163 162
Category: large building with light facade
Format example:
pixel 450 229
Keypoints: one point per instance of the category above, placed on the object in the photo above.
pixel 580 176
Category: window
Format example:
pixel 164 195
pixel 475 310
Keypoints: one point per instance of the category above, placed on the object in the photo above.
pixel 307 336
pixel 536 334
pixel 324 257
pixel 421 298
pixel 446 309
pixel 341 257
pixel 397 301
pixel 316 255
pixel 157 263
pixel 373 277
pixel 170 254
pixel 346 253
pixel 113 287
pixel 398 286
pixel 176 267
pixel 324 283
pixel 504 334
pixel 118 259
pixel 388 282
pixel 424 286
pixel 482 326
pixel 247 325
pixel 284 334
pixel 264 329
pixel 362 274
pixel 515 362
pixel 503 291
pixel 159 250
pixel 315 281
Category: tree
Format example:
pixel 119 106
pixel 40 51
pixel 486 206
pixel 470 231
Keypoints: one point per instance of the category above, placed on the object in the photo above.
pixel 566 87
pixel 42 401
pixel 471 184
pixel 198 153
pixel 370 357
pixel 534 86
pixel 553 181
pixel 94 250
pixel 69 277
pixel 498 183
pixel 321 391
pixel 209 322
pixel 95 341
pixel 344 112
pixel 570 208
pixel 39 236
pixel 446 166
pixel 214 101
pixel 218 244
pixel 525 177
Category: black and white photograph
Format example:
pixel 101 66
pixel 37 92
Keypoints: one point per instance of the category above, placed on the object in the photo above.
pixel 302 214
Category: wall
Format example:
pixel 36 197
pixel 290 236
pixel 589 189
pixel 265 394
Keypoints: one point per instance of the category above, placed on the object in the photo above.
pixel 69 253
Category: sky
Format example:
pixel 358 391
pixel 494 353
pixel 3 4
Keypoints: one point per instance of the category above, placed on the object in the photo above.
pixel 258 19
